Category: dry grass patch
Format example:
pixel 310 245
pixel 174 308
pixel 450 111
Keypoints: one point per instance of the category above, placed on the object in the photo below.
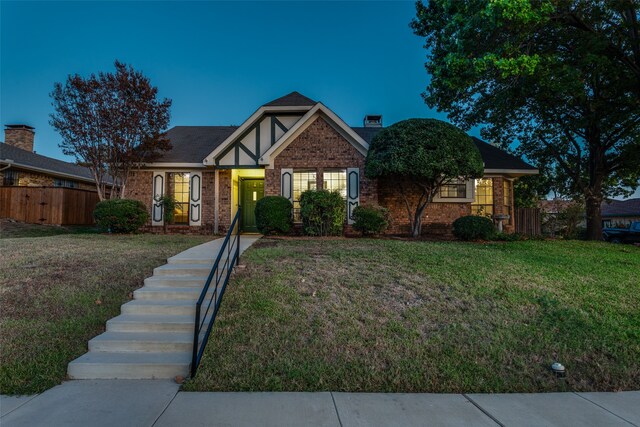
pixel 397 316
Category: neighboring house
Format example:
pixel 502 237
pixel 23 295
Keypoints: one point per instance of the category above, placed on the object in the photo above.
pixel 39 189
pixel 290 145
pixel 620 213
pixel 21 166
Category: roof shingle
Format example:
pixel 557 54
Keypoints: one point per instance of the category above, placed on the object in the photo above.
pixel 32 160
pixel 294 99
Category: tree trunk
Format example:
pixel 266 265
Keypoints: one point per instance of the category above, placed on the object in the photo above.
pixel 594 218
pixel 593 194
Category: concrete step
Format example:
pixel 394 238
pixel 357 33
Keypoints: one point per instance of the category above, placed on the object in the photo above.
pixel 175 281
pixel 150 323
pixel 207 258
pixel 130 365
pixel 180 308
pixel 167 294
pixel 142 342
pixel 183 270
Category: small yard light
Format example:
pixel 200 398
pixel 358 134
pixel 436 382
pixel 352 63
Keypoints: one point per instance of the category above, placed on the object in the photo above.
pixel 558 369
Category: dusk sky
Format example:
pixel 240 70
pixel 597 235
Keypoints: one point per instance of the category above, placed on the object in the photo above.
pixel 218 62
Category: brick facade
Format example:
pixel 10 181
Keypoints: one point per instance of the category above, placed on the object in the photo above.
pixel 320 147
pixel 437 218
pixel 140 187
pixel 317 148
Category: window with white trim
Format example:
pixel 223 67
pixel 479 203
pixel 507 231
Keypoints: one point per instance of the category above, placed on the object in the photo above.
pixel 302 181
pixel 335 180
pixel 454 189
pixel 482 205
pixel 178 183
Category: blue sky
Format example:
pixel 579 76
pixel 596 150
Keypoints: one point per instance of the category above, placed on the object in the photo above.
pixel 217 61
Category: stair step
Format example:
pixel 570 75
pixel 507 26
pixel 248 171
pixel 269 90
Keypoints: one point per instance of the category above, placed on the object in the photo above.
pixel 141 306
pixel 130 365
pixel 166 293
pixel 183 270
pixel 175 281
pixel 142 342
pixel 150 323
pixel 203 259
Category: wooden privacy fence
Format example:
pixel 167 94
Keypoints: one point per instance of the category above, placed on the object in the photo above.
pixel 48 205
pixel 528 221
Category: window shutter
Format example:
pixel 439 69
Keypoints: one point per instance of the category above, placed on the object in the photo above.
pixel 286 184
pixel 157 216
pixel 353 192
pixel 195 199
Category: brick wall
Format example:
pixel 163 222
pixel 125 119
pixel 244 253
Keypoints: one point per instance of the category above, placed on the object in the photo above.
pixel 140 187
pixel 437 218
pixel 33 179
pixel 320 147
pixel 20 137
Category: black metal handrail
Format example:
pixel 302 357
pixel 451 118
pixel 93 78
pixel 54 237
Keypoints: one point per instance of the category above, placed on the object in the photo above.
pixel 219 276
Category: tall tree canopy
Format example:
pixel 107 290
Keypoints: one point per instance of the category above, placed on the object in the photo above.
pixel 562 77
pixel 420 155
pixel 111 123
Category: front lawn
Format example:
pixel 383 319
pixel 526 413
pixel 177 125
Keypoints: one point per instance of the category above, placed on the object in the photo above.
pixel 57 292
pixel 398 316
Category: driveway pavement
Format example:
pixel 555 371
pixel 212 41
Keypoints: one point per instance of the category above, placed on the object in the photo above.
pixel 160 403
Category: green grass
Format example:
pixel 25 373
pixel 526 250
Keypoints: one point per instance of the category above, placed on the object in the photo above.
pixel 12 229
pixel 401 316
pixel 57 292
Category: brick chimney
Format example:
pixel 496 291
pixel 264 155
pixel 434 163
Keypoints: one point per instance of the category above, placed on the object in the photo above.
pixel 20 136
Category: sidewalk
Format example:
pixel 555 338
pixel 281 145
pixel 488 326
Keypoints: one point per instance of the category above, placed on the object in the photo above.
pixel 159 403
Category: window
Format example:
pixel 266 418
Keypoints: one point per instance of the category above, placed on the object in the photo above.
pixel 336 181
pixel 483 203
pixel 179 189
pixel 302 181
pixel 10 178
pixel 506 191
pixel 57 182
pixel 454 189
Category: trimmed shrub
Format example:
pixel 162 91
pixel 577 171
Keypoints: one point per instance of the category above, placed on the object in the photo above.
pixel 473 228
pixel 273 215
pixel 370 219
pixel 120 215
pixel 322 212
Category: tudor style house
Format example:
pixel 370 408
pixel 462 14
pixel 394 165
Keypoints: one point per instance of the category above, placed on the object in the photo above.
pixel 290 145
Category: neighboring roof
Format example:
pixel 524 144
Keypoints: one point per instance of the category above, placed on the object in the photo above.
pixel 367 133
pixel 28 160
pixel 629 207
pixel 191 144
pixel 294 99
pixel 496 158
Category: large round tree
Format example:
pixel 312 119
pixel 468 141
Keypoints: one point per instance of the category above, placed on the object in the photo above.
pixel 419 155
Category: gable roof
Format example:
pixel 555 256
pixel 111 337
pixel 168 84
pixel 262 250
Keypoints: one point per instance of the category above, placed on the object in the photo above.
pixel 28 160
pixel 496 159
pixel 294 99
pixel 629 207
pixel 319 110
pixel 191 144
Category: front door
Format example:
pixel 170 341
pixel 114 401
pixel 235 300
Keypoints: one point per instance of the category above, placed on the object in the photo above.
pixel 251 190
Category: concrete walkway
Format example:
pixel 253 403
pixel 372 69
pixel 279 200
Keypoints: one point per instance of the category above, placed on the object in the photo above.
pixel 161 404
pixel 152 338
